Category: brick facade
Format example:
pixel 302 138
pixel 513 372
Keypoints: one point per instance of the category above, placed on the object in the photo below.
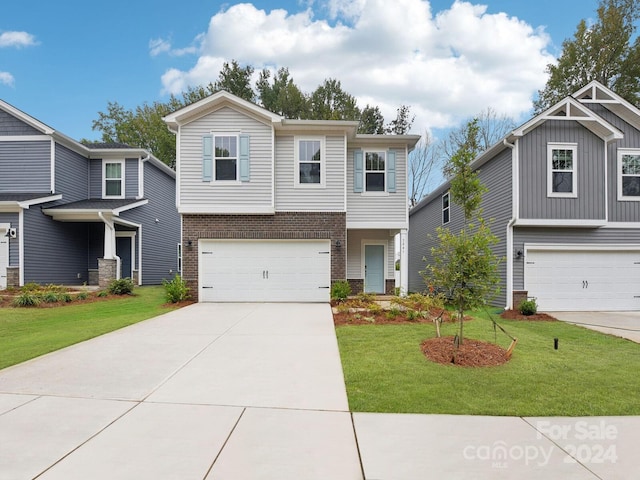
pixel 357 286
pixel 107 269
pixel 281 226
pixel 13 276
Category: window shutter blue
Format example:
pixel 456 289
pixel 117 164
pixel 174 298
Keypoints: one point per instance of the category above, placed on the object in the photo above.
pixel 391 171
pixel 358 171
pixel 244 158
pixel 207 158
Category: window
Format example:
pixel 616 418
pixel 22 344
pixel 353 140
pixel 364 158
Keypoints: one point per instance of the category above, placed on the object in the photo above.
pixel 225 157
pixel 309 162
pixel 561 171
pixel 113 178
pixel 374 172
pixel 629 175
pixel 445 208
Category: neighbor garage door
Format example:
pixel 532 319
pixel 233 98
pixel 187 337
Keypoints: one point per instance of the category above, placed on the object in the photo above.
pixel 264 271
pixel 577 278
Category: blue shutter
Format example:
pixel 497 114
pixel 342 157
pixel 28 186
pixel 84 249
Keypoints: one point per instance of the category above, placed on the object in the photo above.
pixel 391 171
pixel 358 174
pixel 207 158
pixel 244 158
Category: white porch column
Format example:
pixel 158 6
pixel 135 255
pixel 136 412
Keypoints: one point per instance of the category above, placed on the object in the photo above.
pixel 404 263
pixel 109 239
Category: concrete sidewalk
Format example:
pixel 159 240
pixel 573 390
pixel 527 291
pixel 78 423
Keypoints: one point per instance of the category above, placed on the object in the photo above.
pixel 256 391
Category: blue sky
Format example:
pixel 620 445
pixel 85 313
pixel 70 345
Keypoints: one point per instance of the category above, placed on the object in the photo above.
pixel 61 62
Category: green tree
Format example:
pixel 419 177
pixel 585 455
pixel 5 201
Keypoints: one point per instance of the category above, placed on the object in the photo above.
pixel 237 80
pixel 601 52
pixel 330 102
pixel 282 96
pixel 371 121
pixel 402 123
pixel 463 264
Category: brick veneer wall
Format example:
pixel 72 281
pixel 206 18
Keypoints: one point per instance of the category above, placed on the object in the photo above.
pixel 357 286
pixel 281 226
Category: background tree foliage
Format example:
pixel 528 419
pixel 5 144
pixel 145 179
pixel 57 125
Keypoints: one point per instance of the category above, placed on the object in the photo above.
pixel 601 52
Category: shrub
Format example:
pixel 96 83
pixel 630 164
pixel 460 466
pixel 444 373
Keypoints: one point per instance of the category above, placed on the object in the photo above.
pixel 528 307
pixel 412 315
pixel 30 287
pixel 374 308
pixel 103 293
pixel 340 290
pixel 176 290
pixel 123 286
pixel 393 312
pixel 65 297
pixel 49 297
pixel 26 299
pixel 82 295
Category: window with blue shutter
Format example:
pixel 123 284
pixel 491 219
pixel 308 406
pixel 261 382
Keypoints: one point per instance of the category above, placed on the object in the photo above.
pixel 358 171
pixel 391 171
pixel 207 158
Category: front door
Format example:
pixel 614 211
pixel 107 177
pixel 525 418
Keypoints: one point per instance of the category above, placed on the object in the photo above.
pixel 374 269
pixel 4 258
pixel 123 250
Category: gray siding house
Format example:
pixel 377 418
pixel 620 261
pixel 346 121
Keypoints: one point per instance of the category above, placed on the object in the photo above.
pixel 276 209
pixel 564 200
pixel 71 214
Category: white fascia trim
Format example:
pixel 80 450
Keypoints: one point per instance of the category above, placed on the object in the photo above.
pixel 227 210
pixel 21 245
pixel 629 225
pixel 37 201
pixel 24 138
pixel 28 119
pixel 542 222
pixel 273 167
pixel 178 163
pixel 126 223
pixel 580 246
pixel 53 166
pixel 346 165
pixel 118 211
pixel 141 177
pixel 377 225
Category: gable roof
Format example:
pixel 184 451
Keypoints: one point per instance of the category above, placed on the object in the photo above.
pixel 595 92
pixel 28 119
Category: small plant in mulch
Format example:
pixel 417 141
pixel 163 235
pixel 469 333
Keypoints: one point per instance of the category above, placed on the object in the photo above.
pixel 516 315
pixel 340 290
pixel 471 353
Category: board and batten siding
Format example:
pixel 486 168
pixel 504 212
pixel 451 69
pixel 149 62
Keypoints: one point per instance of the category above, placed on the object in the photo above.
pixel 25 166
pixel 564 236
pixel 590 164
pixel 159 240
pixel 12 219
pixel 497 209
pixel 72 171
pixel 373 207
pixel 226 121
pixel 625 211
pixel 291 198
pixel 354 251
pixel 10 125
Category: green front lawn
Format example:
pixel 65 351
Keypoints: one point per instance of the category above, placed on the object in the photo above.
pixel 590 374
pixel 29 332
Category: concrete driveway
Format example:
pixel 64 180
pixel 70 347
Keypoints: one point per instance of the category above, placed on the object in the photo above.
pixel 620 324
pixel 256 391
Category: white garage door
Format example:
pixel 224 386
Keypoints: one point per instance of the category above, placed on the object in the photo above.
pixel 264 270
pixel 575 278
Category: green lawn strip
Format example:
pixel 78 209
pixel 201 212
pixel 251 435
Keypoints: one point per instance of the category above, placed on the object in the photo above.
pixel 590 374
pixel 26 333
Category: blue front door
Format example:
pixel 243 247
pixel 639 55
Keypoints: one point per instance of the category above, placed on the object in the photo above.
pixel 374 269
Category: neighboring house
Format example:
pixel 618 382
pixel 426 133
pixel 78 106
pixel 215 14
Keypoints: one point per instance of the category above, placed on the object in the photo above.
pixel 564 196
pixel 276 210
pixel 70 214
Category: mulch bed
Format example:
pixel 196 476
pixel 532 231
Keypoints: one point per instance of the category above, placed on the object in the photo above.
pixel 366 318
pixel 516 315
pixel 472 353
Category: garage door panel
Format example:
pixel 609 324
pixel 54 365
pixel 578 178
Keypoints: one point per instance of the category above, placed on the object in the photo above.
pixel 566 279
pixel 252 270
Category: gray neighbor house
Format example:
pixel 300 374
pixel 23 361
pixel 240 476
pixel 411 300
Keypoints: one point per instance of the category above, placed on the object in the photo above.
pixel 564 198
pixel 70 214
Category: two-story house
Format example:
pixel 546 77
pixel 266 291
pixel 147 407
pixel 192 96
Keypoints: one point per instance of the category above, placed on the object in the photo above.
pixel 71 214
pixel 564 197
pixel 275 209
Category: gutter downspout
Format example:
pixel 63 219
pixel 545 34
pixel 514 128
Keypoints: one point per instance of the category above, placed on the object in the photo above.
pixel 110 243
pixel 512 221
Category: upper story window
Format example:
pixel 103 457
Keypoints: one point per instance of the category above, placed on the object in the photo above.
pixel 225 157
pixel 561 170
pixel 309 162
pixel 375 171
pixel 629 174
pixel 113 179
pixel 446 209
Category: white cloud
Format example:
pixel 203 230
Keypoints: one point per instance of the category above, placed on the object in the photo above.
pixel 6 79
pixel 17 39
pixel 446 66
pixel 158 46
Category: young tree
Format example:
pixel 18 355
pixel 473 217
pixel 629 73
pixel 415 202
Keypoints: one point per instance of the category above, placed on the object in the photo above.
pixel 601 52
pixel 464 265
pixel 371 121
pixel 402 123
